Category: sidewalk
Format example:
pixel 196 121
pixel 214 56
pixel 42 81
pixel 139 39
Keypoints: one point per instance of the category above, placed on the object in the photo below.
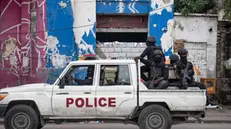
pixel 211 116
pixel 216 116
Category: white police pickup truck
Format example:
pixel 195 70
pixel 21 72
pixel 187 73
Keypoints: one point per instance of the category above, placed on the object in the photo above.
pixel 111 92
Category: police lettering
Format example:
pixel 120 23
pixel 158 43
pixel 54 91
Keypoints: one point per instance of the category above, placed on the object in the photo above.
pixel 84 102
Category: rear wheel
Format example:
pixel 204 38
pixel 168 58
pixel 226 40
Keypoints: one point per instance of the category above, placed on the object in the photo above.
pixel 21 117
pixel 155 117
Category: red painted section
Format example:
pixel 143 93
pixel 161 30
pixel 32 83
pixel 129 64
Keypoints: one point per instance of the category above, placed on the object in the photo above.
pixel 110 21
pixel 21 57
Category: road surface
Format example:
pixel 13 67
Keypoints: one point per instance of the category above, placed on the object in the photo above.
pixel 122 126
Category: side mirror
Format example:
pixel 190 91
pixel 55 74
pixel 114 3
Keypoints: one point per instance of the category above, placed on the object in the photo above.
pixel 62 83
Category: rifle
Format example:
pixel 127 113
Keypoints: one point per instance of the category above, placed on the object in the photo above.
pixel 153 76
pixel 185 77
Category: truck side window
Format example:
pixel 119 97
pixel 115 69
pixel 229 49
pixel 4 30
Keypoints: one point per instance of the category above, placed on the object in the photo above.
pixel 114 75
pixel 80 75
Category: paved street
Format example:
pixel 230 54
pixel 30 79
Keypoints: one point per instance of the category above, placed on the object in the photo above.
pixel 121 126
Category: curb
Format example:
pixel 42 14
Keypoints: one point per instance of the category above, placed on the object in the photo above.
pixel 188 121
pixel 210 121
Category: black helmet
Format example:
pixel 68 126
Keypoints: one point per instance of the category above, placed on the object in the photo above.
pixel 173 58
pixel 183 52
pixel 151 39
pixel 157 56
pixel 157 53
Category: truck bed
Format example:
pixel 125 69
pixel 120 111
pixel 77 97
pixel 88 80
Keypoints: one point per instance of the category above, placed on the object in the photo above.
pixel 191 99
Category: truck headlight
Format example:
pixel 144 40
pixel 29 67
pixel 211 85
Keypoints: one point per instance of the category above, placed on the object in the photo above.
pixel 3 95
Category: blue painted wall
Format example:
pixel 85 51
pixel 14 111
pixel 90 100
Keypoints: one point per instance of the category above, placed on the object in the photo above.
pixel 61 44
pixel 160 13
pixel 71 25
pixel 122 6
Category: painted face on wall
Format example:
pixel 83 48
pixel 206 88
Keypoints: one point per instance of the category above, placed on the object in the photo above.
pixel 10 46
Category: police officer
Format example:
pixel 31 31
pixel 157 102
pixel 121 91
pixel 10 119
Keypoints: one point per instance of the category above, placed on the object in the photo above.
pixel 173 78
pixel 181 65
pixel 151 47
pixel 159 73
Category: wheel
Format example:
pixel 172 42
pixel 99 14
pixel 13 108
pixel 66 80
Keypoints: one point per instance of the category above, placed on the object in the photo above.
pixel 155 117
pixel 40 126
pixel 21 117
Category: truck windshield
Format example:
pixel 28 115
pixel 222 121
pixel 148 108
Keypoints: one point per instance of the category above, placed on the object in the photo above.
pixel 53 74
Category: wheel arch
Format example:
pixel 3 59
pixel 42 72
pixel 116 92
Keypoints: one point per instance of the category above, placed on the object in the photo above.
pixel 30 103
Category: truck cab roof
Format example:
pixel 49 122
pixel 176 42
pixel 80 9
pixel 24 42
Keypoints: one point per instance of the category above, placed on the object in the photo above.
pixel 102 61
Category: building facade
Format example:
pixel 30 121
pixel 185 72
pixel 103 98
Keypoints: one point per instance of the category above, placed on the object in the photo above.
pixel 39 37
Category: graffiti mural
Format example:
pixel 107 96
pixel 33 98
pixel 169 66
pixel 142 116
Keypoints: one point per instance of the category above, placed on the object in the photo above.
pixel 43 36
pixel 161 23
pixel 160 13
pixel 21 55
pixel 122 6
pixel 71 26
pixel 71 31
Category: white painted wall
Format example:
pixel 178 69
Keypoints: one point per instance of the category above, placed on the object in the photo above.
pixel 84 21
pixel 199 40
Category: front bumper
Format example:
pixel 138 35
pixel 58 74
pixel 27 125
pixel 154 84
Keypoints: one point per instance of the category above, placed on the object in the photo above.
pixel 3 108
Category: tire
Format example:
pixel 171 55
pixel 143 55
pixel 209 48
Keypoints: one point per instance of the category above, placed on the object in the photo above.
pixel 155 117
pixel 21 116
pixel 40 127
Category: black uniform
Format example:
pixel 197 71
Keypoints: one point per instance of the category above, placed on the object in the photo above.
pixel 158 71
pixel 181 65
pixel 149 53
pixel 151 47
pixel 174 78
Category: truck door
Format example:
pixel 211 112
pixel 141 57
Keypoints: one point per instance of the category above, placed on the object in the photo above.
pixel 115 91
pixel 76 99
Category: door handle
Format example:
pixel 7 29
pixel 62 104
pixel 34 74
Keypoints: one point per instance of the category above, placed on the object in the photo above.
pixel 87 92
pixel 127 92
pixel 62 93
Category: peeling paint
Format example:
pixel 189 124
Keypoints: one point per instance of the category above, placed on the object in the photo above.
pixel 167 38
pixel 51 44
pixel 59 61
pixel 10 46
pixel 62 4
pixel 162 16
pixel 159 5
pixel 84 15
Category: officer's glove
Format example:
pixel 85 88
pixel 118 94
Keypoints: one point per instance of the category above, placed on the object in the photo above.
pixel 184 85
pixel 156 82
pixel 136 58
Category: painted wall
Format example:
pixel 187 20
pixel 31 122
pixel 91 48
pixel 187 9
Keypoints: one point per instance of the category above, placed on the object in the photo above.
pixel 22 57
pixel 39 37
pixel 122 6
pixel 161 23
pixel 160 13
pixel 200 35
pixel 71 28
pixel 36 45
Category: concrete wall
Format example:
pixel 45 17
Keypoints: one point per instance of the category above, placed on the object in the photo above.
pixel 200 35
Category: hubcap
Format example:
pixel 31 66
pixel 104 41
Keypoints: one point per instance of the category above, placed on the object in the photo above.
pixel 155 121
pixel 20 121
